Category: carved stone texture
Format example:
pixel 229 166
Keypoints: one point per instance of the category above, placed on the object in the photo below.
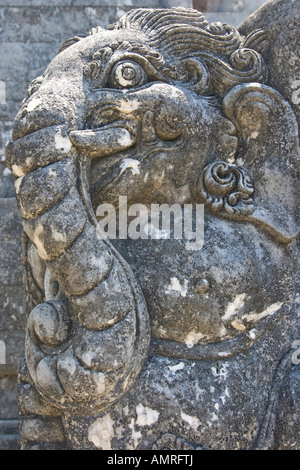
pixel 136 342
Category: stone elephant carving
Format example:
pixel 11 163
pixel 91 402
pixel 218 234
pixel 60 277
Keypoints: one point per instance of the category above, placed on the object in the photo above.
pixel 160 107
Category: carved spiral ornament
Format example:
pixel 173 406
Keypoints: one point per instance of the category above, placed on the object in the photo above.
pixel 227 189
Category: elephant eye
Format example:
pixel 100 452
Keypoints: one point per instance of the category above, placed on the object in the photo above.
pixel 127 74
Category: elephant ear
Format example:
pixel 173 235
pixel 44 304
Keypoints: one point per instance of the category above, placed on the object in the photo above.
pixel 268 117
pixel 269 151
pixel 279 19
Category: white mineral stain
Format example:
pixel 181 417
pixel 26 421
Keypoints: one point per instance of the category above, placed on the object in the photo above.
pixel 220 373
pixel 125 139
pixel 223 354
pixel 238 325
pixel 33 104
pixel 177 367
pixel 252 333
pixel 52 172
pixel 224 396
pixel 38 243
pixel 234 307
pixel 258 316
pixel 62 143
pixel 17 184
pixel 135 435
pixel 146 416
pixel 132 164
pixel 101 432
pixel 175 286
pixel 99 380
pixel 192 338
pixel 214 417
pixel 193 421
pixel 127 106
pixel 29 161
pixel 17 171
pixel 223 331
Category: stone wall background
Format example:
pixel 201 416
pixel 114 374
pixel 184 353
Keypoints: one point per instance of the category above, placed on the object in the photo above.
pixel 31 32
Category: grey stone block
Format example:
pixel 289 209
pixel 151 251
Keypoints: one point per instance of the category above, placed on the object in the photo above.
pixel 8 401
pixel 55 24
pixel 9 426
pixel 11 223
pixel 12 308
pixel 10 263
pixel 10 244
pixel 26 60
pixel 14 344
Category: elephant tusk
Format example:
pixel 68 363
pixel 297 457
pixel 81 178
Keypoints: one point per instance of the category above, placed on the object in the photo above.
pixel 102 142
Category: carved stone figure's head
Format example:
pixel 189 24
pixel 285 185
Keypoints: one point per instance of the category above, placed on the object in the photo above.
pixel 137 94
pixel 155 98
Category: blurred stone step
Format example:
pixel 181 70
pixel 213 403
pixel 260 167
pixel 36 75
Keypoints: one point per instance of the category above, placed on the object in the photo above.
pixel 9 426
pixel 9 434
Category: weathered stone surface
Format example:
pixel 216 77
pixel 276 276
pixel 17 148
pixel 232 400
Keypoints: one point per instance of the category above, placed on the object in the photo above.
pixel 153 342
pixel 282 19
